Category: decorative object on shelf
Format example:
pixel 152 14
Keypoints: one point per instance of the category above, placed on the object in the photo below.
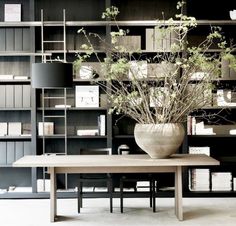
pixel 123 149
pixel 232 14
pixel 151 99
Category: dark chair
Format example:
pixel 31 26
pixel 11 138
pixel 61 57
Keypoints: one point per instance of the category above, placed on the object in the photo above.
pixel 95 178
pixel 132 179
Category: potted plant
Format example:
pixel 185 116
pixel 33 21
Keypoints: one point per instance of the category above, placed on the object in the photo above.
pixel 160 91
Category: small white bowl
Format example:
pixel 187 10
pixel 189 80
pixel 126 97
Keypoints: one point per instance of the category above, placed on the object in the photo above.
pixel 232 14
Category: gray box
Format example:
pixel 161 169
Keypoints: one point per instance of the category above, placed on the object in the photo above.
pixel 27 148
pixel 232 73
pixel 158 39
pixel 3 153
pixel 10 39
pixel 26 39
pixel 9 96
pixel 149 39
pixel 3 39
pixel 3 96
pixel 26 100
pixel 131 43
pixel 10 152
pixel 225 72
pixel 18 39
pixel 19 150
pixel 18 96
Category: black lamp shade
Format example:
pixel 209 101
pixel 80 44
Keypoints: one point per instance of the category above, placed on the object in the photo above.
pixel 52 75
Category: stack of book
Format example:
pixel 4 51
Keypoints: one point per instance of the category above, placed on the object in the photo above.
pixel 199 150
pixel 199 180
pixel 221 181
pixel 143 186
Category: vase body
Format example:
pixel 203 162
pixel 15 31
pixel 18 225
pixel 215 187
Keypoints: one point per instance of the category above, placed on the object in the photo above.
pixel 159 140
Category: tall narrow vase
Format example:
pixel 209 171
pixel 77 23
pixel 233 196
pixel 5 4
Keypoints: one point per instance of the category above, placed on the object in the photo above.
pixel 159 140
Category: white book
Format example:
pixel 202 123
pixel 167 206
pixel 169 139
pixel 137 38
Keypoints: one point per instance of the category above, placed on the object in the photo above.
pixel 234 183
pixel 12 12
pixel 17 77
pixel 87 96
pixel 87 132
pixel 14 128
pixel 199 150
pixel 193 126
pixel 6 77
pixel 62 106
pixel 3 128
pixel 143 184
pixel 102 125
pixel 23 189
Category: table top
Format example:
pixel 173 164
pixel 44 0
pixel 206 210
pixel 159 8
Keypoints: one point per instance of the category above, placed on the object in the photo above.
pixel 111 161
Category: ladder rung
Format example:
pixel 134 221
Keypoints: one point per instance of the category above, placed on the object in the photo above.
pixel 54 116
pixel 56 41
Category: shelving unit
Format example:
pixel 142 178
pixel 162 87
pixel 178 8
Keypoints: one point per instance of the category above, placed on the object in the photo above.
pixel 135 15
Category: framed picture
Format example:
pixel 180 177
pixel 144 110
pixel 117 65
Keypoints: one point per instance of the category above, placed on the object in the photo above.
pixel 87 96
pixel 12 12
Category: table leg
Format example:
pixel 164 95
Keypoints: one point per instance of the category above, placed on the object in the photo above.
pixel 53 194
pixel 178 193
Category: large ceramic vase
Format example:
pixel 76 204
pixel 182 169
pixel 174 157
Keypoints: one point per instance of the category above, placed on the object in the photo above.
pixel 159 140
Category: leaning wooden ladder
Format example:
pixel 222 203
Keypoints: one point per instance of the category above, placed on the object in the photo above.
pixel 45 117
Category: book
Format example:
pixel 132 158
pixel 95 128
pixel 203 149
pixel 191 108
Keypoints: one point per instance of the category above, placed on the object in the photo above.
pixel 199 150
pixel 87 132
pixel 48 128
pixel 6 77
pixel 62 106
pixel 20 77
pixel 102 125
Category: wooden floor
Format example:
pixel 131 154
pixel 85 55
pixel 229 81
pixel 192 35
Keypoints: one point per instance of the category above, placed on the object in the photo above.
pixel 197 212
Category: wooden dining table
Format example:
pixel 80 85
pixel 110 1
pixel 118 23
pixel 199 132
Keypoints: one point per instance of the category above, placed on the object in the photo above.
pixel 57 164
